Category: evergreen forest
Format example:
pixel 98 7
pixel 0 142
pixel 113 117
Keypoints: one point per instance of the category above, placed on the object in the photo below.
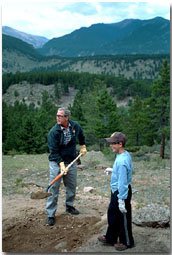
pixel 145 120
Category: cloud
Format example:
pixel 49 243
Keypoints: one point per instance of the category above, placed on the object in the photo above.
pixel 53 18
pixel 83 8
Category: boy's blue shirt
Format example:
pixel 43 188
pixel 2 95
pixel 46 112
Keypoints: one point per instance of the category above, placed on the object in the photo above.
pixel 122 174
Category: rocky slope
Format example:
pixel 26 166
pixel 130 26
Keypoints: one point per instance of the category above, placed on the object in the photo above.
pixel 133 66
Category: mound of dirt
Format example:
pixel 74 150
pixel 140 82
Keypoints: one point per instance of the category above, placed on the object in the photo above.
pixel 69 232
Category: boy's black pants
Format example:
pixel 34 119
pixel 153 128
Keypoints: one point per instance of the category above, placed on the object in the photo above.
pixel 115 228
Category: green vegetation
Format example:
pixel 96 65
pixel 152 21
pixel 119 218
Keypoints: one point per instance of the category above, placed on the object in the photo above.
pixel 133 37
pixel 161 105
pixel 138 67
pixel 19 56
pixel 25 128
pixel 12 43
pixel 121 87
pixel 145 120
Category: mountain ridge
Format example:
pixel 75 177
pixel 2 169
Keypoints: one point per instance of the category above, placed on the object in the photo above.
pixel 106 39
pixel 19 56
pixel 35 40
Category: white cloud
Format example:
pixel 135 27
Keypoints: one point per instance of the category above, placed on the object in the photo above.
pixel 55 18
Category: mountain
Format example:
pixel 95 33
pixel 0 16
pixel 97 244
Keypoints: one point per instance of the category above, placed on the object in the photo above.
pixel 130 36
pixel 19 56
pixel 36 41
pixel 14 44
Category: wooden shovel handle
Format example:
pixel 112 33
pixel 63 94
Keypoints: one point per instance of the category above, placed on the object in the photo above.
pixel 60 175
pixel 71 163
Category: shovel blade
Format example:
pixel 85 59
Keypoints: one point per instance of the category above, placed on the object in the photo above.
pixel 40 195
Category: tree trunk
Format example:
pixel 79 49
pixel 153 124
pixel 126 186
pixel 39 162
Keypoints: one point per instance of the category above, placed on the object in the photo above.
pixel 138 139
pixel 162 150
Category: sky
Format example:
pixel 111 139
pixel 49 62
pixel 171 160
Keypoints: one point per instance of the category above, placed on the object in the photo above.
pixel 53 18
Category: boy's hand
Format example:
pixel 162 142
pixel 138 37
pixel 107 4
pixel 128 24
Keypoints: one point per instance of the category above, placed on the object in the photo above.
pixel 121 204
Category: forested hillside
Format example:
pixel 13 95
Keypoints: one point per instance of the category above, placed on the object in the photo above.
pixel 100 65
pixel 18 56
pixel 121 87
pixel 14 44
pixel 140 67
pixel 130 36
pixel 145 119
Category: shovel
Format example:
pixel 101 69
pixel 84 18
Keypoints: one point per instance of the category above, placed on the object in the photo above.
pixel 43 194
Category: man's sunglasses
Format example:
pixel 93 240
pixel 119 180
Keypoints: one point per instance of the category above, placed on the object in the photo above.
pixel 60 116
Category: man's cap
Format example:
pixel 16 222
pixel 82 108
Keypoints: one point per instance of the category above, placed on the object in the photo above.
pixel 117 137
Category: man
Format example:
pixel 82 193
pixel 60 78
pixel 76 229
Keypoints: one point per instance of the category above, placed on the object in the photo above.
pixel 121 193
pixel 62 146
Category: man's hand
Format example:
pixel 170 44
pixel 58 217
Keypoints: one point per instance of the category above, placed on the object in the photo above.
pixel 63 169
pixel 121 204
pixel 83 150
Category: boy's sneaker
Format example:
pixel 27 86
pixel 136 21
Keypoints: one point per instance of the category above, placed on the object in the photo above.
pixel 120 246
pixel 103 240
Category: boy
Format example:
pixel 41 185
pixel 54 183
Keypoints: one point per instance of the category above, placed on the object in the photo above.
pixel 119 211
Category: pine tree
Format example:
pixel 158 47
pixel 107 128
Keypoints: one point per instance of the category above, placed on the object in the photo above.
pixel 56 92
pixel 77 110
pixel 135 122
pixel 138 124
pixel 107 121
pixel 89 107
pixel 161 105
pixel 100 112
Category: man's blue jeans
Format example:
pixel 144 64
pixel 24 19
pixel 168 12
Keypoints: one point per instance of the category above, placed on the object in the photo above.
pixel 70 182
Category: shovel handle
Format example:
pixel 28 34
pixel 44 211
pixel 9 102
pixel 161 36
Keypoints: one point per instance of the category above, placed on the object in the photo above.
pixel 61 174
pixel 73 161
pixel 53 181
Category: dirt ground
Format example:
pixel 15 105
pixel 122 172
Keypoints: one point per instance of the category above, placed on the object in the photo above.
pixel 25 229
pixel 24 226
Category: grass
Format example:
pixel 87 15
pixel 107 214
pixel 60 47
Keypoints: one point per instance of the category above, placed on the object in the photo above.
pixel 19 170
pixel 151 178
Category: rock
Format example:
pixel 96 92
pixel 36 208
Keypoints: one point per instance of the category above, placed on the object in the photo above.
pixel 93 156
pixel 88 189
pixel 60 245
pixel 108 170
pixel 152 215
